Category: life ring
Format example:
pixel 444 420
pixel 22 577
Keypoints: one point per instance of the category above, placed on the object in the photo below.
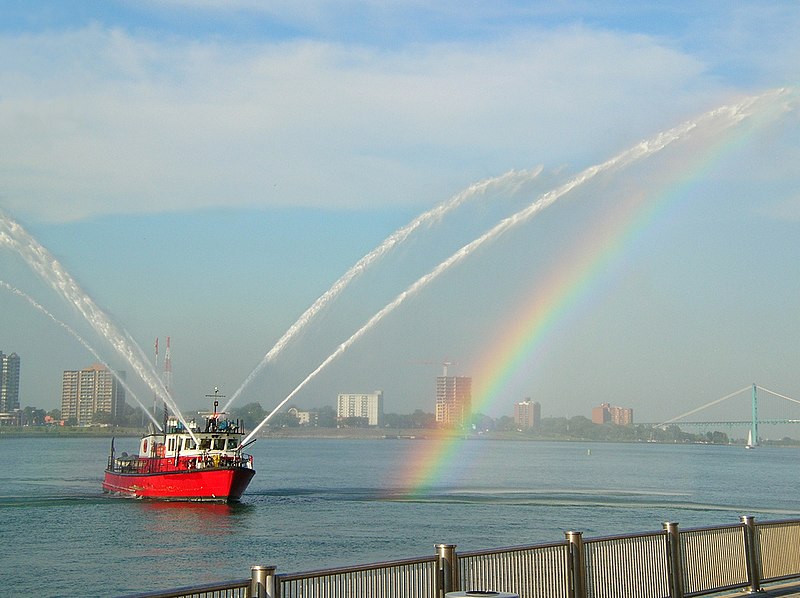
pixel 160 450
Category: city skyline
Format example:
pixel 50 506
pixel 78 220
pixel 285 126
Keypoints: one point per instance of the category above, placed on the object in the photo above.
pixel 208 172
pixel 106 395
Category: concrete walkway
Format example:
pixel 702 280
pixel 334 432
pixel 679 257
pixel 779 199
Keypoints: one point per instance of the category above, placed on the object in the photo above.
pixel 785 589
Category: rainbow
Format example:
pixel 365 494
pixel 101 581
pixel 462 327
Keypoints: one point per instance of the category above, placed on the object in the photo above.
pixel 573 282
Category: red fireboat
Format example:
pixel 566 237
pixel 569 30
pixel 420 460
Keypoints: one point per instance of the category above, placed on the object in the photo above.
pixel 183 464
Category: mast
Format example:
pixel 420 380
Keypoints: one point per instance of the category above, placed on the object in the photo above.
pixel 155 395
pixel 754 424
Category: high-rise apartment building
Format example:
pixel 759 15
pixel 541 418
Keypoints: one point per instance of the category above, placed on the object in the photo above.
pixel 91 390
pixel 9 389
pixel 453 401
pixel 606 413
pixel 527 414
pixel 368 406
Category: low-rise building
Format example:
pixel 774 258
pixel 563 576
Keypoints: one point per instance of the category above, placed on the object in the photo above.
pixel 606 413
pixel 304 418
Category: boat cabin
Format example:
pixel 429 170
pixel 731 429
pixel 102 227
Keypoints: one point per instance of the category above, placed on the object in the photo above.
pixel 176 448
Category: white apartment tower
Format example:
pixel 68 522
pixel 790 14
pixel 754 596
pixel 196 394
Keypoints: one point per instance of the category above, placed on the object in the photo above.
pixel 369 406
pixel 527 414
pixel 9 388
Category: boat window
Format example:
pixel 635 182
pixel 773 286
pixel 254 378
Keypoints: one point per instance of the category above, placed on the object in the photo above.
pixel 188 444
pixel 171 444
pixel 205 444
pixel 219 444
pixel 232 443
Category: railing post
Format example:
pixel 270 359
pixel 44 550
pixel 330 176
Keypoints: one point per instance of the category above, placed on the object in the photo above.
pixel 753 568
pixel 262 582
pixel 446 569
pixel 577 565
pixel 674 562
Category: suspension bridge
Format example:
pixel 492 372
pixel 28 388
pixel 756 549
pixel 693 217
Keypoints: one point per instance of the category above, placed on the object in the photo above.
pixel 753 419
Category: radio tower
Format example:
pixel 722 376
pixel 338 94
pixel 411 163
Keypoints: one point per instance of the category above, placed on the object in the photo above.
pixel 167 380
pixel 168 370
pixel 155 395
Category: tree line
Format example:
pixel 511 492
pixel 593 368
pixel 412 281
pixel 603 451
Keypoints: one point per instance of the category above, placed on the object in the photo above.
pixel 553 428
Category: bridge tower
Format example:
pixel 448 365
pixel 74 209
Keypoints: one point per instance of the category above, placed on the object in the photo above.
pixel 754 424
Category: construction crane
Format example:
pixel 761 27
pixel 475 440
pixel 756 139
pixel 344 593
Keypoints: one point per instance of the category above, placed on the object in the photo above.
pixel 444 363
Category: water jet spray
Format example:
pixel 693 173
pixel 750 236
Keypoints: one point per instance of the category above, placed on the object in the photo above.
pixel 15 237
pixel 513 177
pixel 83 342
pixel 727 115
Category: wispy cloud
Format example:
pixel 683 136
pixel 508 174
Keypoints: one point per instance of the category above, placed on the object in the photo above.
pixel 102 120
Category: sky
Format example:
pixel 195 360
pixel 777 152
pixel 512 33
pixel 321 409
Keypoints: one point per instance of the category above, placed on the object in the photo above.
pixel 206 170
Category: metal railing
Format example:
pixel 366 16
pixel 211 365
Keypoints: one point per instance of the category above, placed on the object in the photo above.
pixel 636 565
pixel 541 570
pixel 177 464
pixel 669 563
pixel 414 578
pixel 240 588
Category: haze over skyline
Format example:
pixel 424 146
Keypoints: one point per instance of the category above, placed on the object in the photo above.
pixel 207 170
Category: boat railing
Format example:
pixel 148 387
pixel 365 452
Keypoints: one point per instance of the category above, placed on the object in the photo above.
pixel 668 563
pixel 147 465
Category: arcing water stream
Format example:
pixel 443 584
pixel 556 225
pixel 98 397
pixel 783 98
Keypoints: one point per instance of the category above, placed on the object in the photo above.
pixel 510 178
pixel 15 237
pixel 725 116
pixel 83 342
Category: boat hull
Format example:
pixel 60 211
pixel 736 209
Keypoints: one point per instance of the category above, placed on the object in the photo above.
pixel 209 485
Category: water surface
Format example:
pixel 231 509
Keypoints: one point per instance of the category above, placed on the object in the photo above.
pixel 319 503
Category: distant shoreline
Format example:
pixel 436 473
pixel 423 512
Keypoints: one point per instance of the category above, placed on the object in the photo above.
pixel 285 433
pixel 62 432
pixel 409 434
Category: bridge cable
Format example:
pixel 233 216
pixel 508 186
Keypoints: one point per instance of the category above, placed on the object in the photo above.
pixel 772 392
pixel 725 398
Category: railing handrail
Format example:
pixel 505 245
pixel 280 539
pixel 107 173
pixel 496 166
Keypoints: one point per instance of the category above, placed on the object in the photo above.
pixel 775 522
pixel 355 568
pixel 711 528
pixel 506 549
pixel 217 586
pixel 650 534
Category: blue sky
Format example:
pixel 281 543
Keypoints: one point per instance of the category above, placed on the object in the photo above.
pixel 206 170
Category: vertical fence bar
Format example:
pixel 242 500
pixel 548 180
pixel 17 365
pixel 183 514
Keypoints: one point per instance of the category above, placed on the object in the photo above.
pixel 446 569
pixel 753 569
pixel 262 582
pixel 674 556
pixel 577 565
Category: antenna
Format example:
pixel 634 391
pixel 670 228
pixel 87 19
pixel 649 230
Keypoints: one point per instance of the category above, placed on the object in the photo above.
pixel 155 395
pixel 168 369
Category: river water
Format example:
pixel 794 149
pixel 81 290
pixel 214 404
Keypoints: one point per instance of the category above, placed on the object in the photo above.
pixel 318 503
